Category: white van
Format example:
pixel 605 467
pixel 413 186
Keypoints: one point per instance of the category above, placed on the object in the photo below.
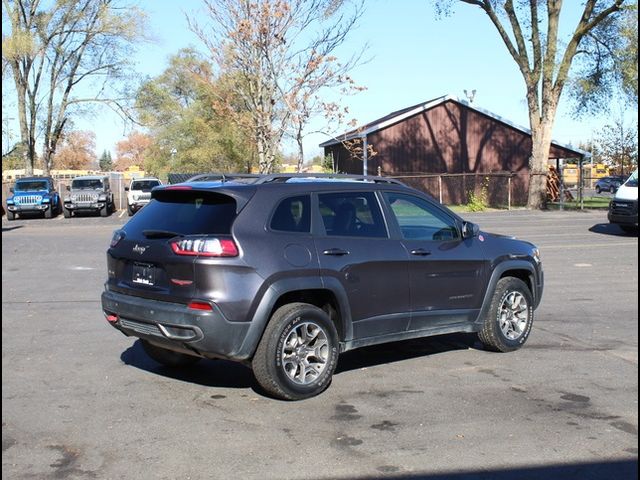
pixel 623 209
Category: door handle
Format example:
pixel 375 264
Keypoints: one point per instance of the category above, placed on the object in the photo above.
pixel 420 252
pixel 338 252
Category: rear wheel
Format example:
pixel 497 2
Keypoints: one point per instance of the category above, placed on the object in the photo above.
pixel 510 317
pixel 168 358
pixel 612 189
pixel 298 352
pixel 598 189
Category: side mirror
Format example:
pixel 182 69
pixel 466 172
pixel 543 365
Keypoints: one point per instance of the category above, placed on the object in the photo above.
pixel 68 188
pixel 11 189
pixel 126 189
pixel 470 230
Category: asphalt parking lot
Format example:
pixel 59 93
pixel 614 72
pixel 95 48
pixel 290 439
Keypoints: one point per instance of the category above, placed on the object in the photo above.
pixel 81 401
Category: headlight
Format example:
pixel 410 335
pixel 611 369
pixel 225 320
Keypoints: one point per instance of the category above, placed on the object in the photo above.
pixel 67 199
pixel 102 198
pixel 135 198
pixel 9 201
pixel 46 200
pixel 536 256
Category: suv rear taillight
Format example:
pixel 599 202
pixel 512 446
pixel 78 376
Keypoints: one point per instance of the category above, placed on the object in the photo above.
pixel 117 236
pixel 205 247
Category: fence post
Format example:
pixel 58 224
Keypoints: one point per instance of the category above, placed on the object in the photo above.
pixel 440 188
pixel 509 194
pixel 120 192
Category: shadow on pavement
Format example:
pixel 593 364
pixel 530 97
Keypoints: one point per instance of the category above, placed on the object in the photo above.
pixel 228 374
pixel 605 470
pixel 611 229
pixel 208 373
pixel 8 229
pixel 404 350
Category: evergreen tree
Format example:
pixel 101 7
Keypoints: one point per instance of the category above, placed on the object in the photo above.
pixel 106 163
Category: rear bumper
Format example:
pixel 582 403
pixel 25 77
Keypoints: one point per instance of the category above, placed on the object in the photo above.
pixel 174 326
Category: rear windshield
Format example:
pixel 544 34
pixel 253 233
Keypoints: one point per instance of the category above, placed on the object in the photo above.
pixel 144 185
pixel 185 213
pixel 32 185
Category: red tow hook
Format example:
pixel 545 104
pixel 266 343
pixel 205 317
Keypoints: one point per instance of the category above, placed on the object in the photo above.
pixel 111 318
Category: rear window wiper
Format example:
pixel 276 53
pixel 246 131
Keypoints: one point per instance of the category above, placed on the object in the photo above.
pixel 161 234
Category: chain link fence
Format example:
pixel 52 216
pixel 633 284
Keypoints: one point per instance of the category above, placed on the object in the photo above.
pixel 496 189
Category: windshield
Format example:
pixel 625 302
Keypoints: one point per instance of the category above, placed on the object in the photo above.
pixel 632 181
pixel 86 184
pixel 144 185
pixel 30 186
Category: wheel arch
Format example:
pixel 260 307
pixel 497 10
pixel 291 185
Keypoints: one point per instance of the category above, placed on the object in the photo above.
pixel 520 269
pixel 328 296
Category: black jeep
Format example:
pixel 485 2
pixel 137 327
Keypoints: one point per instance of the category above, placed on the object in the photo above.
pixel 285 272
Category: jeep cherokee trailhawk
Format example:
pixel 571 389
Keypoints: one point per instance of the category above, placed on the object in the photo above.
pixel 285 272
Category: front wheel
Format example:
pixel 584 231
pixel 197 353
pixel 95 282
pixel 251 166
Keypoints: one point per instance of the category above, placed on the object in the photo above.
pixel 104 211
pixel 168 358
pixel 67 213
pixel 11 215
pixel 298 352
pixel 510 317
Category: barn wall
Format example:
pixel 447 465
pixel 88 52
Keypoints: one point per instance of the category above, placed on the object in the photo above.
pixel 449 138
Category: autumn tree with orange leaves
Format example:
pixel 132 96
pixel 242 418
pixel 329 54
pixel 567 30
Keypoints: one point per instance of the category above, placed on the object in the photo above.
pixel 132 151
pixel 77 151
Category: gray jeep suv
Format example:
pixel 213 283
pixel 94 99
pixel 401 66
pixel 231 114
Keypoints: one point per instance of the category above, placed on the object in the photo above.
pixel 90 193
pixel 285 272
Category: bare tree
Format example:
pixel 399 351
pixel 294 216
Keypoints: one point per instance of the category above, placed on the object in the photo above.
pixel 280 52
pixel 54 49
pixel 544 61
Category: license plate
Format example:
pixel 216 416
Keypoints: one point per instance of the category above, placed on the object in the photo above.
pixel 143 274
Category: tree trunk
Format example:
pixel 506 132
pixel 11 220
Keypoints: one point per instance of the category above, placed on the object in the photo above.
pixel 538 164
pixel 300 151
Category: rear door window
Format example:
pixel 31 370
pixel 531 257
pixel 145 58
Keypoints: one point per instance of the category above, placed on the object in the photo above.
pixel 186 212
pixel 293 214
pixel 351 214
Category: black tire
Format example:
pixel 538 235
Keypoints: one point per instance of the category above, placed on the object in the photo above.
pixel 11 215
pixel 501 316
pixel 130 210
pixel 104 211
pixel 612 189
pixel 598 189
pixel 277 376
pixel 67 212
pixel 168 358
pixel 48 213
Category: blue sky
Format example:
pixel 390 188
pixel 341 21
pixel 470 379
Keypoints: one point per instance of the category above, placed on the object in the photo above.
pixel 413 57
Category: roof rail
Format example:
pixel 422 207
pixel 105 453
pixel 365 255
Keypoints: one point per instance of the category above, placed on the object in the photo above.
pixel 223 177
pixel 283 177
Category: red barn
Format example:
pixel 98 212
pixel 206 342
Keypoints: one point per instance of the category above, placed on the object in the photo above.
pixel 443 136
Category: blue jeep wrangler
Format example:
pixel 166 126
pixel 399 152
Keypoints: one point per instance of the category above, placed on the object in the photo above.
pixel 34 195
